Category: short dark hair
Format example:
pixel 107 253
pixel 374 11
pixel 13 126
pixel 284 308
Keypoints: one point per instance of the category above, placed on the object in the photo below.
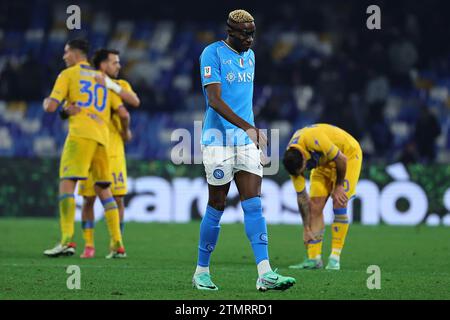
pixel 292 160
pixel 80 44
pixel 102 55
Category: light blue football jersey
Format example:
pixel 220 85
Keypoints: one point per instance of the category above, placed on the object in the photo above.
pixel 219 63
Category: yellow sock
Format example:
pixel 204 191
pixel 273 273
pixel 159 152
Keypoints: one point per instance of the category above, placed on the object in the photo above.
pixel 113 222
pixel 67 217
pixel 88 233
pixel 339 230
pixel 315 246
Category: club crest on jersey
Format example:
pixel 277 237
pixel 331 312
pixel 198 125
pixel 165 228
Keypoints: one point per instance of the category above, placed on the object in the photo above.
pixel 241 62
pixel 207 72
pixel 250 62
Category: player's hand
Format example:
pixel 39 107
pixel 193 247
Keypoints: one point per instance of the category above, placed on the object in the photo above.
pixel 308 235
pixel 127 135
pixel 258 137
pixel 339 196
pixel 100 78
pixel 72 109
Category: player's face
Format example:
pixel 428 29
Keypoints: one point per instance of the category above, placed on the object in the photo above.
pixel 69 56
pixel 113 66
pixel 241 35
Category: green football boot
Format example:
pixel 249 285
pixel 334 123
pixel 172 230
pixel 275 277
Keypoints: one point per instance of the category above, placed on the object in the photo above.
pixel 202 281
pixel 309 264
pixel 333 264
pixel 273 281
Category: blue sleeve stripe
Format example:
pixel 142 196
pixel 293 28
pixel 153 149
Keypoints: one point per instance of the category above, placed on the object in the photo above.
pixel 73 178
pixel 57 101
pixel 314 241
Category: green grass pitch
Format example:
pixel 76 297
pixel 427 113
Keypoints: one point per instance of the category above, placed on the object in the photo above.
pixel 414 262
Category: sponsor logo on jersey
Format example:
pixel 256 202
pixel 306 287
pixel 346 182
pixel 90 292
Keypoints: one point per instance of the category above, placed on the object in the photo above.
pixel 230 77
pixel 245 76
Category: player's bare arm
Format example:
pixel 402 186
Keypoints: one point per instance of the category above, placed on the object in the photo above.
pixel 125 118
pixel 338 195
pixel 303 202
pixel 128 97
pixel 50 105
pixel 216 102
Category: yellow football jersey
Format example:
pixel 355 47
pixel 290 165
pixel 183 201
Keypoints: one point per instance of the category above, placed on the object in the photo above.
pixel 77 84
pixel 321 144
pixel 116 145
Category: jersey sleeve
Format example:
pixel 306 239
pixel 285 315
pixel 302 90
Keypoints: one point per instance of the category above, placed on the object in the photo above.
pixel 318 141
pixel 61 87
pixel 210 66
pixel 125 85
pixel 116 101
pixel 299 183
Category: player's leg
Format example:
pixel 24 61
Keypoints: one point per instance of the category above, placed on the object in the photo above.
pixel 218 168
pixel 248 180
pixel 74 165
pixel 86 190
pixel 87 224
pixel 121 207
pixel 112 220
pixel 209 234
pixel 67 210
pixel 340 226
pixel 119 184
pixel 320 189
pixel 249 187
pixel 101 174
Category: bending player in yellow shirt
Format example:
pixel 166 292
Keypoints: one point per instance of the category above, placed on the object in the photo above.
pixel 85 145
pixel 335 158
pixel 108 62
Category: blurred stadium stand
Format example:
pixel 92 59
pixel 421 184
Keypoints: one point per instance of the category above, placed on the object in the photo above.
pixel 389 88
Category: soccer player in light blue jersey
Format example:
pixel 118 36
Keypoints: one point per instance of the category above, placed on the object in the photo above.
pixel 231 146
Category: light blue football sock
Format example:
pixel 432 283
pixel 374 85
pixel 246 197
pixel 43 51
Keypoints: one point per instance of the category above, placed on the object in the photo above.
pixel 209 233
pixel 255 228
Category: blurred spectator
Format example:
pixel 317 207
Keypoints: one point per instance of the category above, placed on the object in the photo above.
pixel 427 130
pixel 409 153
pixel 313 65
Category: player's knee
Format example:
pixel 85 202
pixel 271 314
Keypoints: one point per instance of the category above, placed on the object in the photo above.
pixel 316 207
pixel 217 203
pixel 119 201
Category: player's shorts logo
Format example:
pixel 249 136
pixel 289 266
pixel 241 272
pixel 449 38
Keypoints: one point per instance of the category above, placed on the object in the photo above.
pixel 210 247
pixel 230 77
pixel 218 174
pixel 263 237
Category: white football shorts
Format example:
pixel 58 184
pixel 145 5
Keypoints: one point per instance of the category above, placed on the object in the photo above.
pixel 222 162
